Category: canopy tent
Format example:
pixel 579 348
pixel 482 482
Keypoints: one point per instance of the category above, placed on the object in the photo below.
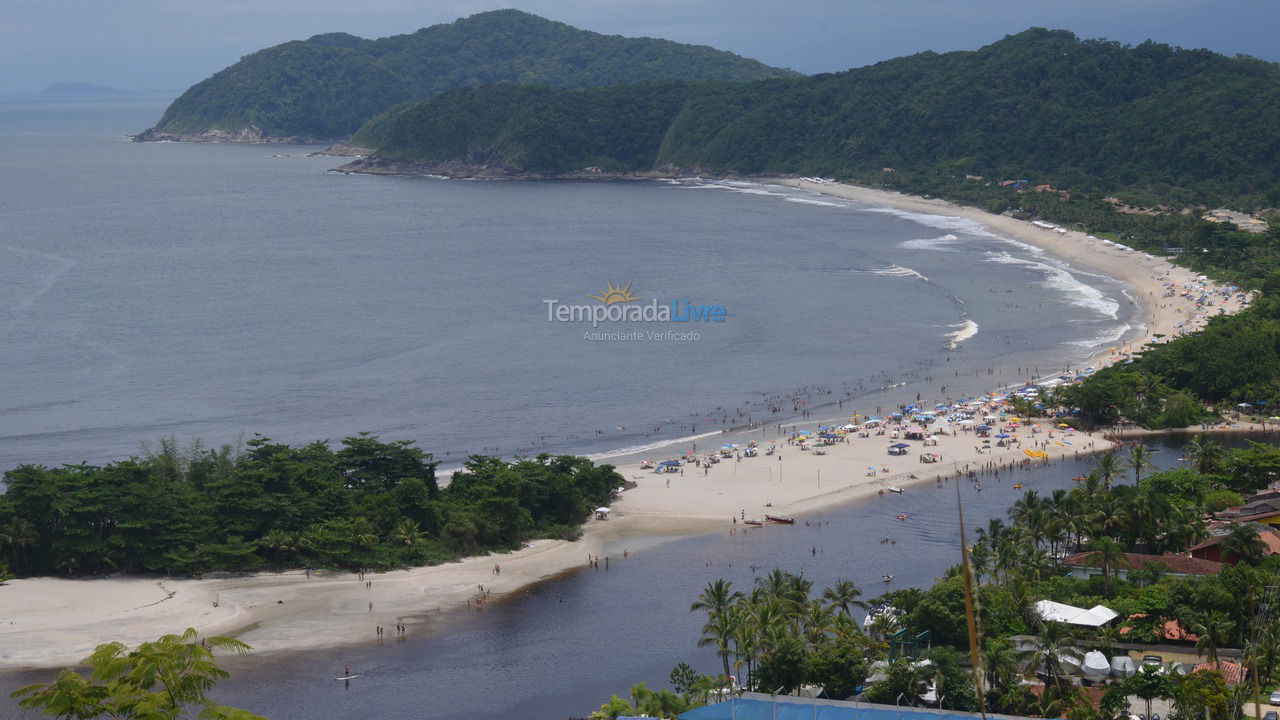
pixel 1095 616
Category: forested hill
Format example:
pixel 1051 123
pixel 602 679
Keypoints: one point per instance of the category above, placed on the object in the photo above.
pixel 323 88
pixel 1162 122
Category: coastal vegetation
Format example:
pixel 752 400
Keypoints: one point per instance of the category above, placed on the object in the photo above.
pixel 165 679
pixel 325 87
pixel 366 504
pixel 780 634
pixel 1150 124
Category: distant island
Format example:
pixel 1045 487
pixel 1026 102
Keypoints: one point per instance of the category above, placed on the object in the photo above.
pixel 80 88
pixel 324 88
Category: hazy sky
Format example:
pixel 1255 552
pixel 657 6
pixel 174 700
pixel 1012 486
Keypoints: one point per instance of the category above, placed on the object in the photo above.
pixel 170 44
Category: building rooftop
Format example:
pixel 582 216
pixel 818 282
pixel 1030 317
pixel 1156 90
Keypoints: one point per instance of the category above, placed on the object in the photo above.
pixel 1174 562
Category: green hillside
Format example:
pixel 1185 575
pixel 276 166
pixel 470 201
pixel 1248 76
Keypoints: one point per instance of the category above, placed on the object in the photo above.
pixel 1157 123
pixel 325 87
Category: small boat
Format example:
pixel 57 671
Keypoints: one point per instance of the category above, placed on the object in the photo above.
pixel 887 578
pixel 783 520
pixel 894 489
pixel 903 516
pixel 753 523
pixel 1017 486
pixel 347 677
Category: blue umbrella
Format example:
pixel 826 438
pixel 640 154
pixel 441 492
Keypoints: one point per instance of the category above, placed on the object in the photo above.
pixel 1002 435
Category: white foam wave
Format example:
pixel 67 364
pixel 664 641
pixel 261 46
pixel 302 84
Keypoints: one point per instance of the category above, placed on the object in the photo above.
pixel 943 243
pixel 964 331
pixel 1106 337
pixel 649 447
pixel 808 201
pixel 942 222
pixel 1056 278
pixel 895 271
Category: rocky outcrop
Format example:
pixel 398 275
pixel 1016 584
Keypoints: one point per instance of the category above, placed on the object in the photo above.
pixel 488 166
pixel 345 150
pixel 248 134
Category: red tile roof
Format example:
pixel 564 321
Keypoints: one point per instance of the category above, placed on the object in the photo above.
pixel 1270 542
pixel 1176 563
pixel 1233 673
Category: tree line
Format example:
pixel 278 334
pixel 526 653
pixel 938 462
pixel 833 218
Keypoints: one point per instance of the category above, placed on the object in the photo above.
pixel 365 504
pixel 781 634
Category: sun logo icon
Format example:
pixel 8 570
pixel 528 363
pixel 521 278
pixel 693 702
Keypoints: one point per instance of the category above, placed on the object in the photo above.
pixel 611 295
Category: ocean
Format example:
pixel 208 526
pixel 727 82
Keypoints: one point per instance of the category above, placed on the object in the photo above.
pixel 206 293
pixel 209 292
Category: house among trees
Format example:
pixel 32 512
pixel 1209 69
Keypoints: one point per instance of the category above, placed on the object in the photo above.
pixel 1083 565
pixel 1231 542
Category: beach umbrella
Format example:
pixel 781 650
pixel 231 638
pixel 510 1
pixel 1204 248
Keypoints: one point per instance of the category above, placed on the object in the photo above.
pixel 1063 425
pixel 1002 435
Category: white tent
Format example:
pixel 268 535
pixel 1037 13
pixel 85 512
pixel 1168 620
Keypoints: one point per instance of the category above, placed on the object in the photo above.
pixel 1095 616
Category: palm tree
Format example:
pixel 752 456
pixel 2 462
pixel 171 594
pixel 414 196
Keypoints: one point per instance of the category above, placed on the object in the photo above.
pixel 716 597
pixel 1108 467
pixel 1203 453
pixel 718 630
pixel 817 621
pixel 1049 650
pixel 844 595
pixel 407 533
pixel 1108 516
pixel 20 534
pixel 1108 553
pixel 1213 631
pixel 1140 460
pixel 999 665
pixel 1242 543
pixel 979 560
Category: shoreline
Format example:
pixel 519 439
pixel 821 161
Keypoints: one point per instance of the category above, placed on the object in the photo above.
pixel 291 611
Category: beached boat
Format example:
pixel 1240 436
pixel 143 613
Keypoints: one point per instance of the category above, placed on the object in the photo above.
pixel 782 520
pixel 753 523
pixel 894 489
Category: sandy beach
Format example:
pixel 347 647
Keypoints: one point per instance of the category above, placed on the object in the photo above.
pixel 52 622
pixel 1148 276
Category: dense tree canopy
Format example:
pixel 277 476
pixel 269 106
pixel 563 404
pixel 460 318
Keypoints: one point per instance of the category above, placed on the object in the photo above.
pixel 1153 121
pixel 326 86
pixel 367 504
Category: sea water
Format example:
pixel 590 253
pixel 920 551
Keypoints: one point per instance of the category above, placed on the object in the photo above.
pixel 210 292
